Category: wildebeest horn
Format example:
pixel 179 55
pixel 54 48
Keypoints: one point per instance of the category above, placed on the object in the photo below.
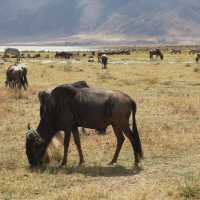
pixel 29 126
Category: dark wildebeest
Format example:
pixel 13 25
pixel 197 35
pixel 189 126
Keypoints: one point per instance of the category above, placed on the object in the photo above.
pixel 176 51
pixel 66 108
pixel 16 77
pixel 156 52
pixel 36 55
pixel 65 55
pixel 104 61
pixel 193 51
pixel 197 58
pixel 14 52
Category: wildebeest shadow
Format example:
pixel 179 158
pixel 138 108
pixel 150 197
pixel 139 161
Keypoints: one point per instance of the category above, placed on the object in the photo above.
pixel 94 171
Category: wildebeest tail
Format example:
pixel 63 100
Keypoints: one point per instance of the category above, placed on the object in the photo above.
pixel 136 136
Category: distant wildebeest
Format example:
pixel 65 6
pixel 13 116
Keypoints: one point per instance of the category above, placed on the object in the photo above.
pixel 66 108
pixel 193 51
pixel 36 56
pixel 197 58
pixel 104 61
pixel 16 77
pixel 14 52
pixel 65 55
pixel 113 52
pixel 156 52
pixel 91 59
pixel 176 51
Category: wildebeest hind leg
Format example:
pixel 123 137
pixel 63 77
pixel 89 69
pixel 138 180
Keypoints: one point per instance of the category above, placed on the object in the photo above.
pixel 129 135
pixel 66 146
pixel 78 144
pixel 120 140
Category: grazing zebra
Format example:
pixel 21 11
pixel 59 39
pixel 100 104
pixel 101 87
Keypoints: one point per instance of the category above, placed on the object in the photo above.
pixel 13 51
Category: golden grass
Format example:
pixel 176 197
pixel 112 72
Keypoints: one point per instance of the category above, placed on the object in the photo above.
pixel 167 95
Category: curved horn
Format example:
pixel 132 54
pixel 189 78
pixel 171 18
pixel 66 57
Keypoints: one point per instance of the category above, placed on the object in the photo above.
pixel 29 126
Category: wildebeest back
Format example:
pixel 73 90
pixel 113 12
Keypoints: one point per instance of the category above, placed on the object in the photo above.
pixel 97 110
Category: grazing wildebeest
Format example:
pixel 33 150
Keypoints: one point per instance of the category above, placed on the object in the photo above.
pixel 65 55
pixel 16 77
pixel 104 61
pixel 197 58
pixel 156 52
pixel 66 108
pixel 14 52
pixel 176 51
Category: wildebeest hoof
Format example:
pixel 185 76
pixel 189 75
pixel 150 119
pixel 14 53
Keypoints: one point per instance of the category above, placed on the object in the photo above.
pixel 63 164
pixel 81 163
pixel 111 163
pixel 137 168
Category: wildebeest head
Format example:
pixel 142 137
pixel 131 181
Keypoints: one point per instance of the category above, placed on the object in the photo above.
pixel 34 147
pixel 38 140
pixel 53 111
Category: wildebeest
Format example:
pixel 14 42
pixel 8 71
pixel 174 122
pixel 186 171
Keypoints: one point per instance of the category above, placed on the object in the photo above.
pixel 113 52
pixel 12 51
pixel 176 51
pixel 16 77
pixel 156 52
pixel 65 55
pixel 193 51
pixel 197 57
pixel 66 108
pixel 91 59
pixel 104 61
pixel 36 55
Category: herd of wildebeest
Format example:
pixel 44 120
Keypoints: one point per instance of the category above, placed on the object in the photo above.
pixel 70 106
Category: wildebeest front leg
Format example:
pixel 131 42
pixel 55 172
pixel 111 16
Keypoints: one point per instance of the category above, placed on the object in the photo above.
pixel 120 140
pixel 78 144
pixel 66 146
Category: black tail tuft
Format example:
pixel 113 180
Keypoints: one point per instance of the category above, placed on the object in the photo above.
pixel 137 142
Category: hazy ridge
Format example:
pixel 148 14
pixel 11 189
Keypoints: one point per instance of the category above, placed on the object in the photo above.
pixel 154 20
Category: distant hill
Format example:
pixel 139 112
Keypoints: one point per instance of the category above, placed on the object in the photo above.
pixel 153 20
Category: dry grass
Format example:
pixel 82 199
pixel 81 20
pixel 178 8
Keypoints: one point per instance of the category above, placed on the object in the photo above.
pixel 167 94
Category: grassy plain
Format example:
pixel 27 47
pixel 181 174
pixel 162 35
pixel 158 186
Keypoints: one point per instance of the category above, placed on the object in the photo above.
pixel 168 98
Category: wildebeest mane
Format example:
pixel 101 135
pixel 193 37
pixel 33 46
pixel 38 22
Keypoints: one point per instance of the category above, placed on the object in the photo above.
pixel 63 95
pixel 56 100
pixel 47 104
pixel 80 84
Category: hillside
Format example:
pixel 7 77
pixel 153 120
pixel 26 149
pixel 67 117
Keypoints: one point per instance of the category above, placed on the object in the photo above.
pixel 144 19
